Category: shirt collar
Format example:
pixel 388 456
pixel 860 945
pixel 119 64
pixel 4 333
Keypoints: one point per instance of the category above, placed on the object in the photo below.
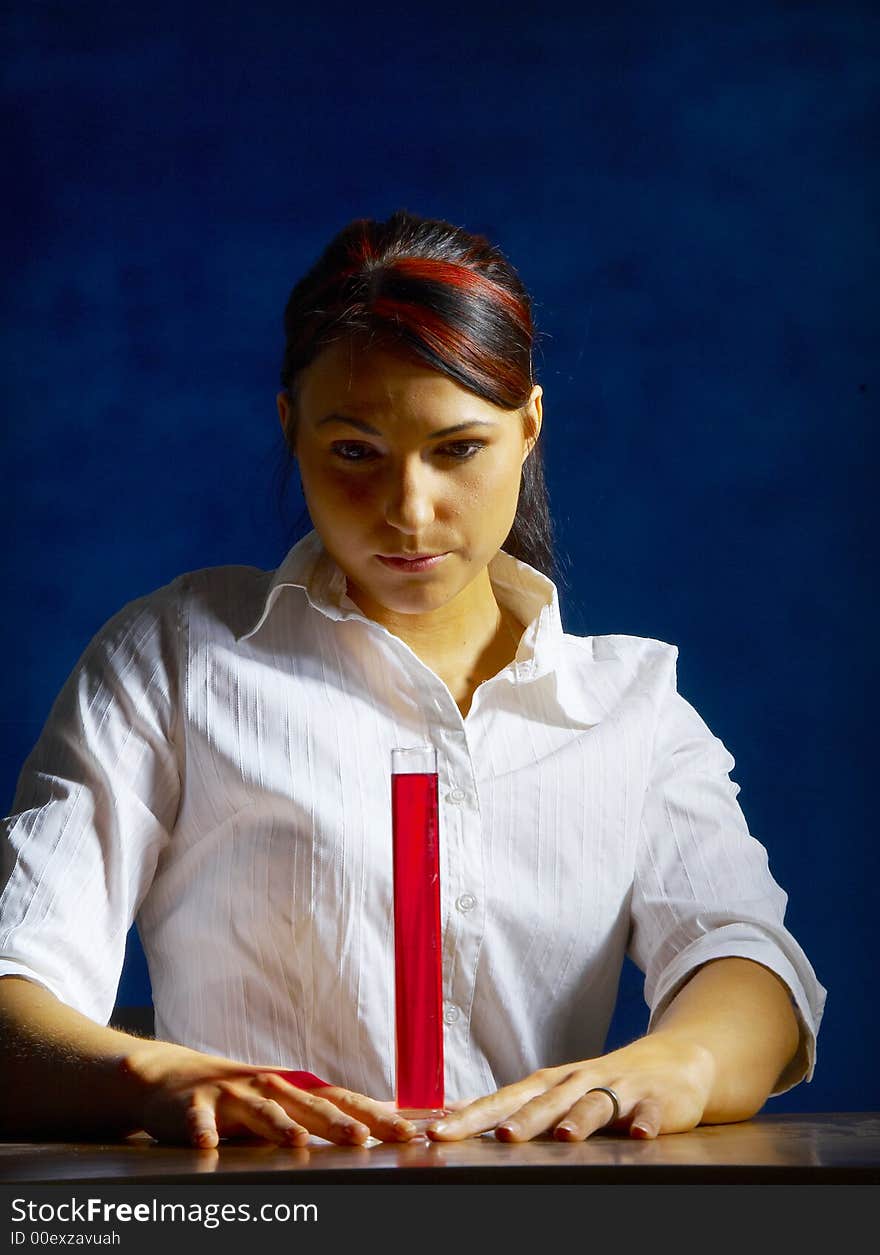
pixel 529 594
pixel 308 566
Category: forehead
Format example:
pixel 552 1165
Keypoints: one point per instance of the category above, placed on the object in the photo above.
pixel 355 379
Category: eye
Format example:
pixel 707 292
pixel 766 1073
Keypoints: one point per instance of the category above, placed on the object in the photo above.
pixel 353 451
pixel 461 450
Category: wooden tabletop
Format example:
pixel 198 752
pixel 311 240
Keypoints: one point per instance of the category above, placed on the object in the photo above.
pixel 833 1148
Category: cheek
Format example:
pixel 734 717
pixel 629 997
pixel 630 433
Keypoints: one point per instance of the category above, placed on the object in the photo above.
pixel 494 492
pixel 333 493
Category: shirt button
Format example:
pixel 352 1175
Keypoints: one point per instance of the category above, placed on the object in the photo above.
pixel 450 1015
pixel 466 902
pixel 456 795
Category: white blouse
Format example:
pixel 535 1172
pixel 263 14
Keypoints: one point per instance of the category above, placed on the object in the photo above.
pixel 217 769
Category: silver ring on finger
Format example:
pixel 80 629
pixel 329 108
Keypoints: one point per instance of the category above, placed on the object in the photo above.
pixel 606 1089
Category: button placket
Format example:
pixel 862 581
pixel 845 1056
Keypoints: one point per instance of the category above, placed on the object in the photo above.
pixel 461 889
pixel 454 764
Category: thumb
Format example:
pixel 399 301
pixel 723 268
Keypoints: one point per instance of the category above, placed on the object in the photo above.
pixel 201 1123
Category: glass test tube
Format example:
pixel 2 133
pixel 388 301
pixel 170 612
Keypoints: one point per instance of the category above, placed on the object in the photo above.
pixel 417 943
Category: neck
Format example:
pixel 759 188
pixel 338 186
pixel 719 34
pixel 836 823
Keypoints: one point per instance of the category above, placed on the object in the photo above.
pixel 465 642
pixel 462 625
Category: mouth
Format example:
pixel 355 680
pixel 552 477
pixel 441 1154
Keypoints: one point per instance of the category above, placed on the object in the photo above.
pixel 418 561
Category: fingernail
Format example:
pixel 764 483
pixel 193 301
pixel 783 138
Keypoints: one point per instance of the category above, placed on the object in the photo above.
pixel 509 1130
pixel 565 1128
pixel 440 1127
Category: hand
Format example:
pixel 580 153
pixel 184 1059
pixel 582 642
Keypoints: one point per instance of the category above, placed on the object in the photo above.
pixel 663 1085
pixel 187 1096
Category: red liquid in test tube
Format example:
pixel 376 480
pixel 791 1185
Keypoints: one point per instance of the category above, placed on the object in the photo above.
pixel 417 944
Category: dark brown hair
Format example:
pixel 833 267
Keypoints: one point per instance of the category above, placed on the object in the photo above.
pixel 445 295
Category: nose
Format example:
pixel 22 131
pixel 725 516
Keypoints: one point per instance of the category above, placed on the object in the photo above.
pixel 409 503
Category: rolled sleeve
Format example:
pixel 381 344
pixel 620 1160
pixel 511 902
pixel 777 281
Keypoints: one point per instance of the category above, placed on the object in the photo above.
pixel 96 800
pixel 703 888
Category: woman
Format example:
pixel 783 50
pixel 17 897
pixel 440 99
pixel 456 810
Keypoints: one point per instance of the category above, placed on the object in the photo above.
pixel 217 768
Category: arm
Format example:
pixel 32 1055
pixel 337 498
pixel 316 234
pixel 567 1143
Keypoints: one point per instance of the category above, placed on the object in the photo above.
pixel 703 893
pixel 61 1071
pixel 65 1076
pixel 741 1014
pixel 95 808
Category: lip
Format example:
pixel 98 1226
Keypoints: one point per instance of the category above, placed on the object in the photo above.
pixel 419 562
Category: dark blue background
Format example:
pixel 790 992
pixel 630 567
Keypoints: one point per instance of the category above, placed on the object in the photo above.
pixel 689 194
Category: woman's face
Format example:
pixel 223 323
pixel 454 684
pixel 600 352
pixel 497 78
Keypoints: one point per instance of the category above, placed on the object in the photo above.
pixel 398 462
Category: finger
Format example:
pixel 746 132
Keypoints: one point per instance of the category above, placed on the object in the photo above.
pixel 593 1111
pixel 542 1111
pixel 201 1124
pixel 647 1119
pixel 381 1119
pixel 315 1112
pixel 262 1117
pixel 485 1113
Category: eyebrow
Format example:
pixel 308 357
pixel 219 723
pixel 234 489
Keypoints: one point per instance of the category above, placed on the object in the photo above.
pixel 374 431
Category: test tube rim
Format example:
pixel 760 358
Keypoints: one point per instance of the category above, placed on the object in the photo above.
pixel 398 767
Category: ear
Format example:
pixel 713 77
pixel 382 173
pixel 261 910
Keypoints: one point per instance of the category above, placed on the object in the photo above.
pixel 532 418
pixel 286 418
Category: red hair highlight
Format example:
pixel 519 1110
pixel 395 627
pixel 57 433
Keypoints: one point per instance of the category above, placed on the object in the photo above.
pixel 448 342
pixel 470 282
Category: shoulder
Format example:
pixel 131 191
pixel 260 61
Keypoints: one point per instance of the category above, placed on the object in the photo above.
pixel 615 677
pixel 221 600
pixel 626 661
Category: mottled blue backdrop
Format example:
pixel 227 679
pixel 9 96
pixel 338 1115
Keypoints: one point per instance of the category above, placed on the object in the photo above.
pixel 690 194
